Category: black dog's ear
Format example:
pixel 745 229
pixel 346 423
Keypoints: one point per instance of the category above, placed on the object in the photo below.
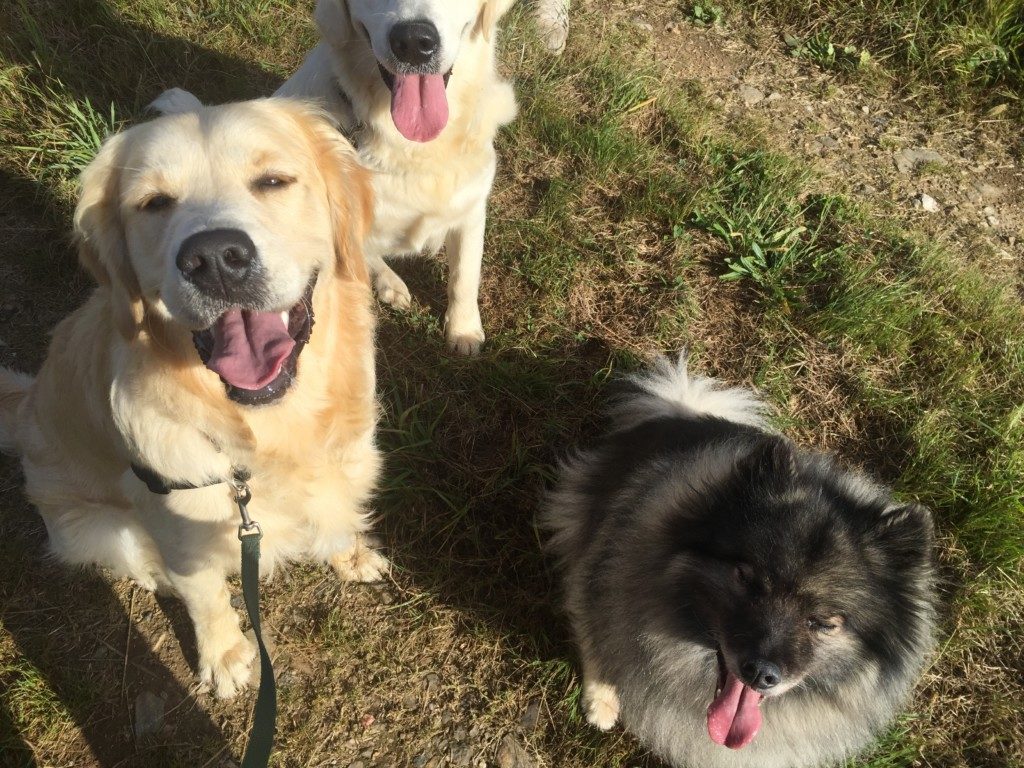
pixel 906 533
pixel 772 464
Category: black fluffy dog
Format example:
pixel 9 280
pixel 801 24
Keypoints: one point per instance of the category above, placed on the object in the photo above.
pixel 736 601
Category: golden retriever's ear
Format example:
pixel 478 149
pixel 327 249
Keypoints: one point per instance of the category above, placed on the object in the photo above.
pixel 100 235
pixel 349 197
pixel 490 13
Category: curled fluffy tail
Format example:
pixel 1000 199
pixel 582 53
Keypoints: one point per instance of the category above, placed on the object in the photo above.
pixel 668 389
pixel 14 387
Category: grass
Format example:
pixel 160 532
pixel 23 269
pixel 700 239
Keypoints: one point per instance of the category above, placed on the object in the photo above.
pixel 626 219
pixel 966 48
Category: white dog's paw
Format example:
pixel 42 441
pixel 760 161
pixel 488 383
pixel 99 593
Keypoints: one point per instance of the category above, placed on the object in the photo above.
pixel 392 289
pixel 146 581
pixel 228 671
pixel 360 563
pixel 552 19
pixel 464 338
pixel 601 705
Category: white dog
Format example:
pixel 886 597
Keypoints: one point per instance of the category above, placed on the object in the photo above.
pixel 414 84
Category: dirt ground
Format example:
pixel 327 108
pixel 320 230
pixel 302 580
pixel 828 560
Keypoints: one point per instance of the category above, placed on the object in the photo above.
pixel 864 136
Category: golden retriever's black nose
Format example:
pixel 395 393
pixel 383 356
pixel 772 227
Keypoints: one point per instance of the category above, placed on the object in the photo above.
pixel 761 674
pixel 218 262
pixel 414 42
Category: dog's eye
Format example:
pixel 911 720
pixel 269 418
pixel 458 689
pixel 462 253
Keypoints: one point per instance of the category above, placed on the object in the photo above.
pixel 271 181
pixel 829 626
pixel 157 202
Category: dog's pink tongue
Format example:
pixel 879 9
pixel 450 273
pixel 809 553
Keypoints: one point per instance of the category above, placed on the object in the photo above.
pixel 249 347
pixel 419 106
pixel 734 717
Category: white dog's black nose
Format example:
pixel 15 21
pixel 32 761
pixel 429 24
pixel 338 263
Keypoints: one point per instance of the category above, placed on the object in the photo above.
pixel 414 42
pixel 218 262
pixel 761 674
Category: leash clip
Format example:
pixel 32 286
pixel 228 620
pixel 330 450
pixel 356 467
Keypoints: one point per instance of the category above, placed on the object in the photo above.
pixel 243 495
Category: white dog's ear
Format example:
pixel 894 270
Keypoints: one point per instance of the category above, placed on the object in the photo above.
pixel 490 13
pixel 334 22
pixel 100 236
pixel 175 101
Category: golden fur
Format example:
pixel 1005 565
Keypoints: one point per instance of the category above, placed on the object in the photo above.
pixel 123 383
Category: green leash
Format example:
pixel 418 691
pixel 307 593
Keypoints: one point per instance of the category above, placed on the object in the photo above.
pixel 261 737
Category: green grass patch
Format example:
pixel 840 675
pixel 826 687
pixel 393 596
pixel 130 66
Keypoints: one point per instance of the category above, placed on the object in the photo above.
pixel 967 47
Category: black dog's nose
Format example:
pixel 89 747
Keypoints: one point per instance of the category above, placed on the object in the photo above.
pixel 761 674
pixel 414 42
pixel 217 261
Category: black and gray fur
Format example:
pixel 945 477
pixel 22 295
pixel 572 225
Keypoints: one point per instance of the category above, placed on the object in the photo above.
pixel 693 529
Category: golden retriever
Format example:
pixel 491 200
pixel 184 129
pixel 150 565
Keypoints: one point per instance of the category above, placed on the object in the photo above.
pixel 217 237
pixel 414 82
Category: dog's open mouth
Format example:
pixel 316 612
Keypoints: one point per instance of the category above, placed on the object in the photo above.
pixel 419 103
pixel 734 715
pixel 256 354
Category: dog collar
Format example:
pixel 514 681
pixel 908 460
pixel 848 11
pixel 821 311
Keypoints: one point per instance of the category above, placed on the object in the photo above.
pixel 160 485
pixel 350 132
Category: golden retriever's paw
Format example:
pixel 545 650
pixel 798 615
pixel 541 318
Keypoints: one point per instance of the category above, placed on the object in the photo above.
pixel 361 563
pixel 392 290
pixel 552 18
pixel 464 338
pixel 601 705
pixel 228 672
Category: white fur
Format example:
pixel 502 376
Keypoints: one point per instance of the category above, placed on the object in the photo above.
pixel 427 195
pixel 668 388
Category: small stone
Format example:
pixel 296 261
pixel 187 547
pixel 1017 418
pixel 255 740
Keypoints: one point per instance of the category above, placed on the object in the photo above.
pixel 149 714
pixel 751 95
pixel 431 683
pixel 511 754
pixel 640 23
pixel 411 701
pixel 367 721
pixel 461 755
pixel 774 96
pixel 866 109
pixel 908 160
pixel 531 715
pixel 987 191
pixel 357 764
pixel 927 203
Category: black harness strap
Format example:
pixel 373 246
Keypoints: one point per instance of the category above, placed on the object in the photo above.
pixel 160 485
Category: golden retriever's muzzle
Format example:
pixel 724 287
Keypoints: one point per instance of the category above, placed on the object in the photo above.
pixel 254 350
